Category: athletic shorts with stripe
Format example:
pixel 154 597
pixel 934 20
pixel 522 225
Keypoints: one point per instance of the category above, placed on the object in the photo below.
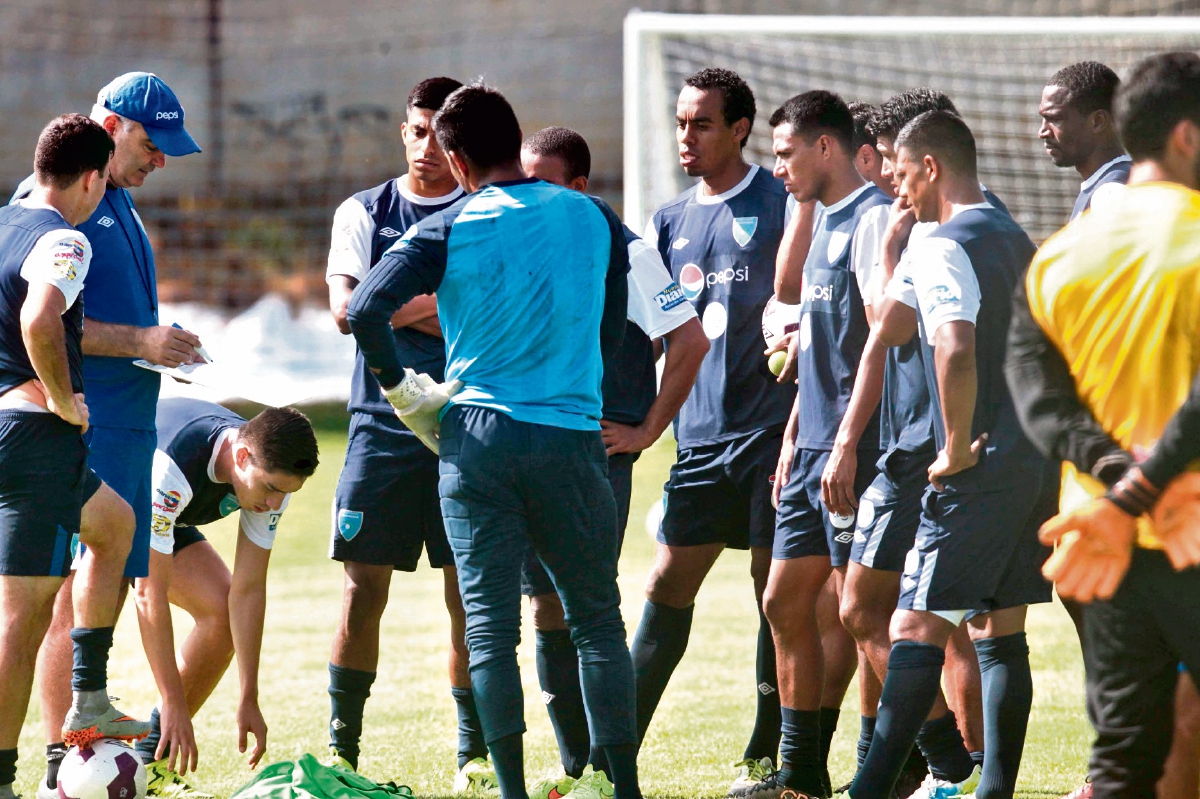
pixel 889 511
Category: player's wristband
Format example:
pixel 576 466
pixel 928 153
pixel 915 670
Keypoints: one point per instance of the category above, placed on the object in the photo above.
pixel 1112 466
pixel 1133 493
pixel 404 393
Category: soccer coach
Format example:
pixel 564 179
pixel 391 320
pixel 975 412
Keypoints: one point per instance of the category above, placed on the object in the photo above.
pixel 145 120
pixel 532 293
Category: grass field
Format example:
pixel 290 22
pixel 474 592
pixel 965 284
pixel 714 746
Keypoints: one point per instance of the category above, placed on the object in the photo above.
pixel 701 726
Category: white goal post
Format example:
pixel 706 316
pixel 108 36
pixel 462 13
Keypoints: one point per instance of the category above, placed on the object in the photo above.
pixel 993 68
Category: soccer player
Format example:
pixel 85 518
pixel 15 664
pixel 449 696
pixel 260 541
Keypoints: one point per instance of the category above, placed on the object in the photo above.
pixel 1078 130
pixel 976 552
pixel 386 503
pixel 44 477
pixel 815 158
pixel 719 240
pixel 636 412
pixel 867 158
pixel 209 463
pixel 531 283
pixel 1143 620
pixel 146 122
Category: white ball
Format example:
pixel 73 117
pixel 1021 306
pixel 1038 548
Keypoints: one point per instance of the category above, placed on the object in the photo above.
pixel 778 319
pixel 654 517
pixel 108 769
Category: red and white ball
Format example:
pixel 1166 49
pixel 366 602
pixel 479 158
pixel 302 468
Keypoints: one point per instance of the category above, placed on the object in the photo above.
pixel 779 319
pixel 108 769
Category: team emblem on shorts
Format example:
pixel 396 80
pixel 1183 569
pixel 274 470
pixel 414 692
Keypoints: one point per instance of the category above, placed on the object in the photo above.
pixel 349 522
pixel 743 229
pixel 229 504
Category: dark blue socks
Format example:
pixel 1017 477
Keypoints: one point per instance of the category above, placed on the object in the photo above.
pixel 914 672
pixel 622 770
pixel 558 674
pixel 508 756
pixel 148 745
pixel 764 740
pixel 90 672
pixel 1007 698
pixel 800 751
pixel 866 731
pixel 944 750
pixel 829 722
pixel 348 692
pixel 8 766
pixel 658 646
pixel 470 729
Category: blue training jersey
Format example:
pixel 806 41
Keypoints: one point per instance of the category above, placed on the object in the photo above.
pixel 188 433
pixel 721 251
pixel 364 227
pixel 531 285
pixel 1114 173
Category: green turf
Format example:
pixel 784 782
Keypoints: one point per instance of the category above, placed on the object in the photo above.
pixel 701 726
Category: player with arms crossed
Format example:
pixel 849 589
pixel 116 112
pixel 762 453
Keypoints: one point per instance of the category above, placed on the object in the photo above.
pixel 719 241
pixel 1131 368
pixel 1078 131
pixel 531 282
pixel 45 481
pixel 976 552
pixel 636 412
pixel 209 463
pixel 386 503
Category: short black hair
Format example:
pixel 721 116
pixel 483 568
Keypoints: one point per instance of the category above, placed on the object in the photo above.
pixel 478 123
pixel 898 111
pixel 431 93
pixel 817 113
pixel 945 136
pixel 1159 93
pixel 69 147
pixel 737 100
pixel 282 440
pixel 862 113
pixel 1090 86
pixel 565 144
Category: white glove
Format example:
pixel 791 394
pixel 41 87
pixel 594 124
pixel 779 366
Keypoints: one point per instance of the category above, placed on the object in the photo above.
pixel 418 400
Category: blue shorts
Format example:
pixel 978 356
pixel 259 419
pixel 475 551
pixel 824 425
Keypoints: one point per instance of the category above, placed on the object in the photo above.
pixel 534 579
pixel 721 493
pixel 385 507
pixel 43 475
pixel 889 511
pixel 804 526
pixel 123 459
pixel 186 536
pixel 979 551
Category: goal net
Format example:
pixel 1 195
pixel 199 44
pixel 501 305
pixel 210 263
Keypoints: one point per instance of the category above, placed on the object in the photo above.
pixel 993 68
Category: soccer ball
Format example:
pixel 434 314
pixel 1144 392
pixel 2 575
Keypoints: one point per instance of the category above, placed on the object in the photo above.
pixel 108 769
pixel 778 319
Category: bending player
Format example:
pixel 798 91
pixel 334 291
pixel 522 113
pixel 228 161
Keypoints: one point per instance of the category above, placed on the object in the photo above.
pixel 1078 131
pixel 719 240
pixel 45 482
pixel 532 287
pixel 976 552
pixel 636 413
pixel 209 463
pixel 386 502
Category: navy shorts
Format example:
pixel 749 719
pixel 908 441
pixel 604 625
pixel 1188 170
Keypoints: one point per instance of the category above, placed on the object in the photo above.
pixel 386 507
pixel 123 459
pixel 534 579
pixel 721 493
pixel 43 475
pixel 889 511
pixel 186 536
pixel 804 526
pixel 979 551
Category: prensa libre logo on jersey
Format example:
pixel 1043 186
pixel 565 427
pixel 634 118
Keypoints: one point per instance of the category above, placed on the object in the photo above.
pixel 743 229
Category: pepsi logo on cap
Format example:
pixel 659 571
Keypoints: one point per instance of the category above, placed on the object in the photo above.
pixel 691 280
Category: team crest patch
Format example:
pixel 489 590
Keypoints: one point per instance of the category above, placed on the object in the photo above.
pixel 349 522
pixel 106 221
pixel 229 504
pixel 743 229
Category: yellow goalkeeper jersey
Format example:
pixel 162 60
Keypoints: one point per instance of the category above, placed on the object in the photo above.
pixel 1118 291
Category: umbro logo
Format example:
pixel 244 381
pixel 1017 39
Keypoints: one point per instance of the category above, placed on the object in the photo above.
pixel 765 689
pixel 106 221
pixel 338 724
pixel 679 244
pixel 547 697
pixel 388 232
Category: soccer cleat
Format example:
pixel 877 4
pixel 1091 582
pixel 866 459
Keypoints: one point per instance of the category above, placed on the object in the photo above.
pixel 552 786
pixel 751 772
pixel 335 760
pixel 83 729
pixel 933 788
pixel 162 781
pixel 590 785
pixel 477 778
pixel 770 787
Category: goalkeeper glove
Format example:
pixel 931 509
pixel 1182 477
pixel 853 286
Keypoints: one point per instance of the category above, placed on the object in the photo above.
pixel 417 400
